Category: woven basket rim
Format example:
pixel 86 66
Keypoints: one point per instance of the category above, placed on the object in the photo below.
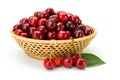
pixel 53 41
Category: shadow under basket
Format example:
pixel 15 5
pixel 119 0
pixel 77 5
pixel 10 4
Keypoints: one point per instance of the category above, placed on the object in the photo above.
pixel 40 49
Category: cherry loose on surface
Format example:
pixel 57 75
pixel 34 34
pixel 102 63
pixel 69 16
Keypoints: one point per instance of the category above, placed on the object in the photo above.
pixel 81 63
pixel 48 64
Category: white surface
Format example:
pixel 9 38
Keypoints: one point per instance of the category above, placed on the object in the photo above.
pixel 102 14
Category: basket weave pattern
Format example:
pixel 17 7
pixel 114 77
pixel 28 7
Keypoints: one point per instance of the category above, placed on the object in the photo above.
pixel 41 49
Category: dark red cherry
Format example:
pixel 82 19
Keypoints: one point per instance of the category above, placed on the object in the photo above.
pixel 60 26
pixel 88 31
pixel 42 29
pixel 25 27
pixel 75 19
pixel 55 17
pixel 50 11
pixel 70 26
pixel 80 27
pixel 37 13
pixel 17 26
pixel 42 22
pixel 81 63
pixel 78 33
pixel 37 35
pixel 63 35
pixel 63 16
pixel 31 30
pixel 75 57
pixel 43 14
pixel 51 24
pixel 23 21
pixel 33 21
pixel 24 34
pixel 51 35
pixel 69 15
pixel 18 31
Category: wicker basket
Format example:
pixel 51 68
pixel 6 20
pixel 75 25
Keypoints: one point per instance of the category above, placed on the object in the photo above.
pixel 41 49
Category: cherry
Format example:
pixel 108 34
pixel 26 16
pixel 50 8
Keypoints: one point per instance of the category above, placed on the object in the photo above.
pixel 24 34
pixel 63 16
pixel 82 27
pixel 63 35
pixel 75 19
pixel 69 15
pixel 51 24
pixel 18 31
pixel 56 61
pixel 33 21
pixel 17 26
pixel 37 13
pixel 37 35
pixel 43 14
pixel 31 30
pixel 48 64
pixel 81 63
pixel 42 22
pixel 75 57
pixel 88 31
pixel 78 33
pixel 25 27
pixel 67 62
pixel 51 35
pixel 60 26
pixel 23 21
pixel 42 29
pixel 70 26
pixel 55 17
pixel 50 11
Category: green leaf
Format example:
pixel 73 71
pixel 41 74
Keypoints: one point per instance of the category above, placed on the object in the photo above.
pixel 92 60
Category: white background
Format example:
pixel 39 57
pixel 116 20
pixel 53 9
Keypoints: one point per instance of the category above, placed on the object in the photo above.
pixel 104 15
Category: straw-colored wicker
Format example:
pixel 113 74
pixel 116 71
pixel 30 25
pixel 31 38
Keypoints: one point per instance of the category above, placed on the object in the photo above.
pixel 41 49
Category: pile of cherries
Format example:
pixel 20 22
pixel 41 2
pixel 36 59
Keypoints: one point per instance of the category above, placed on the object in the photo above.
pixel 52 25
pixel 68 62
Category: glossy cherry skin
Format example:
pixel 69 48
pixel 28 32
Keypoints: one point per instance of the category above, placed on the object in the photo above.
pixel 56 61
pixel 17 26
pixel 43 14
pixel 80 27
pixel 18 31
pixel 88 31
pixel 31 30
pixel 62 16
pixel 33 21
pixel 69 15
pixel 24 34
pixel 75 19
pixel 60 26
pixel 25 27
pixel 63 35
pixel 42 29
pixel 48 64
pixel 42 22
pixel 50 11
pixel 37 13
pixel 70 26
pixel 51 35
pixel 81 63
pixel 78 33
pixel 51 25
pixel 67 62
pixel 23 21
pixel 55 17
pixel 37 35
pixel 75 57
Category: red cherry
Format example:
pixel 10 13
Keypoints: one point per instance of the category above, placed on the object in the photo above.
pixel 42 29
pixel 48 64
pixel 70 26
pixel 23 21
pixel 37 13
pixel 63 35
pixel 75 57
pixel 24 34
pixel 81 63
pixel 25 27
pixel 51 35
pixel 63 16
pixel 55 17
pixel 67 62
pixel 75 19
pixel 56 61
pixel 50 11
pixel 42 22
pixel 88 31
pixel 69 15
pixel 37 35
pixel 17 26
pixel 33 21
pixel 60 26
pixel 80 27
pixel 78 33
pixel 43 14
pixel 31 30
pixel 18 31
